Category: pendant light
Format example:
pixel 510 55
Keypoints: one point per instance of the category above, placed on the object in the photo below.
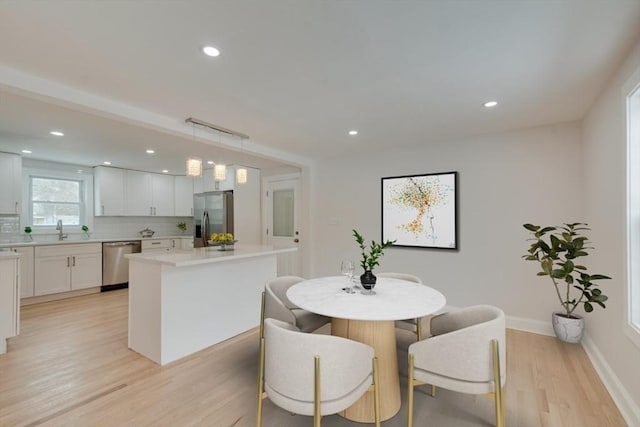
pixel 220 172
pixel 241 175
pixel 241 172
pixel 194 166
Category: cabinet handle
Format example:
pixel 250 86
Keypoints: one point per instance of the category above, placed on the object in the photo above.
pixel 17 211
pixel 102 209
pixel 74 260
pixel 67 262
pixel 150 210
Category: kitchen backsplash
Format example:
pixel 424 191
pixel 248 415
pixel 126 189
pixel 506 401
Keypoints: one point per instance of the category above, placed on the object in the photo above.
pixel 117 226
pixel 103 228
pixel 9 224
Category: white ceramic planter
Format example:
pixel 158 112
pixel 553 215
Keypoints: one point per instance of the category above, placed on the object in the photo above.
pixel 568 330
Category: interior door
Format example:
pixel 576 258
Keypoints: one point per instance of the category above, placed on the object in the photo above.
pixel 282 210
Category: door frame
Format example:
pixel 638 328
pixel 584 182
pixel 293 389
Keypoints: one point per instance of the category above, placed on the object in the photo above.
pixel 301 223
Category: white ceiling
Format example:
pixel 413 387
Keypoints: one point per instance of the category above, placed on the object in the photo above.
pixel 297 75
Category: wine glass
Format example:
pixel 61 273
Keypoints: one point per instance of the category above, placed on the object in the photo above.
pixel 347 268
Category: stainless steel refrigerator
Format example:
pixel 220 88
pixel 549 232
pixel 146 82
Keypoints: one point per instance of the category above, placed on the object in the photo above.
pixel 213 213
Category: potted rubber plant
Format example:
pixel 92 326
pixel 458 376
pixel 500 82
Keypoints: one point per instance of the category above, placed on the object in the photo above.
pixel 558 250
pixel 370 260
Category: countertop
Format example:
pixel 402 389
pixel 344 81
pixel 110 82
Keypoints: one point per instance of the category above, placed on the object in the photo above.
pixel 185 258
pixel 79 240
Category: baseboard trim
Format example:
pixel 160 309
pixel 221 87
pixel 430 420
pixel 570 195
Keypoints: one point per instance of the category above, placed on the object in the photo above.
pixel 58 296
pixel 628 408
pixel 621 397
pixel 530 325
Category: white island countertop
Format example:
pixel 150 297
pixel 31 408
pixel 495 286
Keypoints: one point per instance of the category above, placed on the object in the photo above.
pixel 185 258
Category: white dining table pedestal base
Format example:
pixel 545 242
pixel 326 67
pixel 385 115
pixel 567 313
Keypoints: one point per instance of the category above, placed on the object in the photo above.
pixel 381 336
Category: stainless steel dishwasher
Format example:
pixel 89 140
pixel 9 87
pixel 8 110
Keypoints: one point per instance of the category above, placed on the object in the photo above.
pixel 115 267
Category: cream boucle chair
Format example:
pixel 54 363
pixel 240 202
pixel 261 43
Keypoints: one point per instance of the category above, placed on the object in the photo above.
pixel 313 374
pixel 414 325
pixel 276 305
pixel 466 353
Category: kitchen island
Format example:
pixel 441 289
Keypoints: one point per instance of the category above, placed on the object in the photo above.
pixel 184 301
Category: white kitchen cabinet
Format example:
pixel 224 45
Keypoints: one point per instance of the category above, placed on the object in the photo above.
pixel 10 184
pixel 206 182
pixel 162 195
pixel 157 245
pixel 183 195
pixel 186 243
pixel 149 194
pixel 26 270
pixel 63 268
pixel 109 191
pixel 9 299
pixel 139 200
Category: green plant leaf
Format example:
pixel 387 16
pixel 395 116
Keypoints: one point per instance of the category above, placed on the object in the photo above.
pixel 531 227
pixel 598 277
pixel 588 307
pixel 558 273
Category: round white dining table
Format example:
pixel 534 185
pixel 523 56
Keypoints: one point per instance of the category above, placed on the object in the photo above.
pixel 369 319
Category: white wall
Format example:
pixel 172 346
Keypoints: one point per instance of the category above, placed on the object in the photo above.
pixel 505 180
pixel 247 207
pixel 605 159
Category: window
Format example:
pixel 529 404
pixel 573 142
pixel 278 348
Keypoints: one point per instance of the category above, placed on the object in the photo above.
pixel 55 199
pixel 632 327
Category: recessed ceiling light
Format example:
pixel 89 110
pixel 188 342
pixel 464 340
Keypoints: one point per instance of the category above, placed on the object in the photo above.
pixel 490 104
pixel 150 151
pixel 80 171
pixel 56 133
pixel 353 132
pixel 27 151
pixel 106 163
pixel 211 51
pixel 209 162
pixel 165 171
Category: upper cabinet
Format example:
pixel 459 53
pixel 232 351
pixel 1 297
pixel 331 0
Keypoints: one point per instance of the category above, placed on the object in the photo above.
pixel 183 192
pixel 206 182
pixel 10 184
pixel 149 194
pixel 122 192
pixel 109 191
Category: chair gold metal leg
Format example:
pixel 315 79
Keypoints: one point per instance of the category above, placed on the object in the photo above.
pixel 410 392
pixel 376 392
pixel 419 328
pixel 497 381
pixel 316 393
pixel 433 390
pixel 260 384
pixel 262 316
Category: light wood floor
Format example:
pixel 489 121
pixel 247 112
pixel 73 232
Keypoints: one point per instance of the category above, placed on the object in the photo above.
pixel 71 367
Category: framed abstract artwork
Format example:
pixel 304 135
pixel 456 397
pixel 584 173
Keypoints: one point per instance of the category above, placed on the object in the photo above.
pixel 421 210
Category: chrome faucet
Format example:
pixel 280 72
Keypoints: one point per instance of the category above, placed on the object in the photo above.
pixel 59 228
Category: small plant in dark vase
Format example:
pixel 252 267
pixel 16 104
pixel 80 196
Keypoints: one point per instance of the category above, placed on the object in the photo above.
pixel 370 260
pixel 557 249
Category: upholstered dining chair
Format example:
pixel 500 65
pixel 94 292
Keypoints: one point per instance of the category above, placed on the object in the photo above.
pixel 414 325
pixel 276 305
pixel 466 353
pixel 313 374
